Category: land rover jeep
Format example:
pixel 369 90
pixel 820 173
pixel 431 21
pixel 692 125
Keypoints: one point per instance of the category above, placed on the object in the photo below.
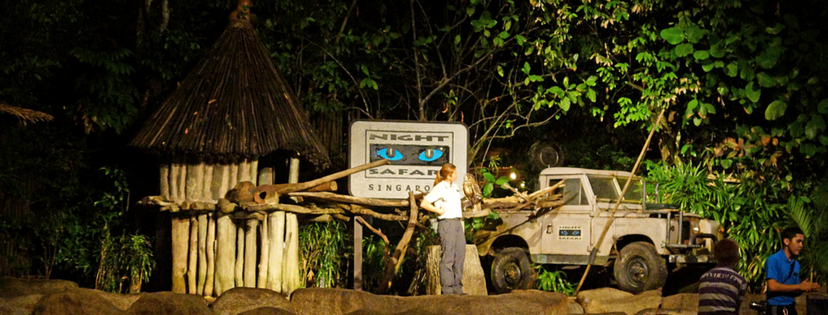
pixel 642 239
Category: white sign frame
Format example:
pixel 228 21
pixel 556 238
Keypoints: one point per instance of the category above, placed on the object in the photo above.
pixel 396 180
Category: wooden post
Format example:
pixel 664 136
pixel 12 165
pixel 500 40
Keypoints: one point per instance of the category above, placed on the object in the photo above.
pixel 164 182
pixel 202 254
pixel 225 254
pixel 254 170
pixel 180 235
pixel 193 259
pixel 239 268
pixel 357 233
pixel 225 182
pixel 277 250
pixel 190 184
pixel 207 184
pixel 291 277
pixel 264 248
pixel 266 176
pixel 182 183
pixel 175 170
pixel 244 171
pixel 209 282
pixel 250 248
pixel 234 177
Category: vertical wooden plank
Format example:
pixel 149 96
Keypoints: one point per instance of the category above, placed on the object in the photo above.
pixel 209 282
pixel 254 171
pixel 264 248
pixel 234 177
pixel 191 183
pixel 182 184
pixel 193 259
pixel 266 176
pixel 164 183
pixel 239 267
pixel 291 277
pixel 225 254
pixel 244 171
pixel 250 248
pixel 180 240
pixel 175 171
pixel 202 254
pixel 224 179
pixel 277 249
pixel 207 184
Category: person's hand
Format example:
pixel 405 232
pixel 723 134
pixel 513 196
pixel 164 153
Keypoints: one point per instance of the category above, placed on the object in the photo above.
pixel 441 211
pixel 807 286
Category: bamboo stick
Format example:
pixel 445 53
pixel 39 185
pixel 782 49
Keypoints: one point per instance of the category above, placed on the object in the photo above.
pixel 209 282
pixel 264 248
pixel 244 171
pixel 202 254
pixel 193 259
pixel 277 249
pixel 182 183
pixel 239 267
pixel 225 182
pixel 234 178
pixel 175 170
pixel 254 170
pixel 191 183
pixel 180 233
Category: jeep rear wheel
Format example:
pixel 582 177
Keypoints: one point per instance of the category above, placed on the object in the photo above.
pixel 511 270
pixel 639 268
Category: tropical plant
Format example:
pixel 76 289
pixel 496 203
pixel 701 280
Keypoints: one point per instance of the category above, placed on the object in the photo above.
pixel 554 281
pixel 322 247
pixel 374 253
pixel 125 258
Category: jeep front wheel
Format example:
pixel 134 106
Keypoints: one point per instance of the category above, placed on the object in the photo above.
pixel 511 270
pixel 639 268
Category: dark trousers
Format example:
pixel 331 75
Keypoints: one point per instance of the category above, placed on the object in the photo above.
pixel 453 241
pixel 782 310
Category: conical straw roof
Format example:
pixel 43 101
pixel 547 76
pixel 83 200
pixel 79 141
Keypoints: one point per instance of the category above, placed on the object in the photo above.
pixel 234 103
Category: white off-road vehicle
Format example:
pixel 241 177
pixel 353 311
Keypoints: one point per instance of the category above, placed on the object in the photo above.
pixel 642 239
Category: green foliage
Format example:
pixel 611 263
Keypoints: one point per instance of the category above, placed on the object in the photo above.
pixel 374 251
pixel 125 258
pixel 491 182
pixel 752 213
pixel 323 250
pixel 554 281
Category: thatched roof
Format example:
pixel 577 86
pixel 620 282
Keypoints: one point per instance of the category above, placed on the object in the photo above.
pixel 233 103
pixel 25 115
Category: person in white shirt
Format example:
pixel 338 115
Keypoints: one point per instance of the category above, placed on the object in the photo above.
pixel 444 200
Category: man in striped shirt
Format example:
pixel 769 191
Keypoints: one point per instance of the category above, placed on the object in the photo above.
pixel 722 289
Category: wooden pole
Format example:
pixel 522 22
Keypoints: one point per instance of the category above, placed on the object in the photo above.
pixel 207 185
pixel 337 175
pixel 239 268
pixel 182 183
pixel 225 182
pixel 180 235
pixel 193 259
pixel 254 170
pixel 264 249
pixel 277 250
pixel 202 254
pixel 225 254
pixel 164 182
pixel 395 262
pixel 291 279
pixel 618 202
pixel 209 282
pixel 191 183
pixel 234 177
pixel 175 170
pixel 250 248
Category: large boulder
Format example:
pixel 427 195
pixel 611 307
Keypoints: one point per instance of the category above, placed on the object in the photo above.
pixel 267 311
pixel 76 301
pixel 19 305
pixel 121 301
pixel 681 302
pixel 161 303
pixel 239 300
pixel 613 300
pixel 11 287
pixel 340 302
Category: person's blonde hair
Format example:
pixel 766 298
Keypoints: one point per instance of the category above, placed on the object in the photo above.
pixel 444 172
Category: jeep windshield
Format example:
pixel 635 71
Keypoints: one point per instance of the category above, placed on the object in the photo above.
pixel 607 189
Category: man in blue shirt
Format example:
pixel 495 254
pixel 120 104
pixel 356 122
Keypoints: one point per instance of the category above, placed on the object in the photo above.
pixel 782 271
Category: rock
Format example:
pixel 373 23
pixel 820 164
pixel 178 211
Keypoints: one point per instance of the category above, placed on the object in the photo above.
pixel 121 301
pixel 163 303
pixel 614 300
pixel 239 300
pixel 267 311
pixel 574 306
pixel 341 301
pixel 77 301
pixel 681 302
pixel 662 311
pixel 11 287
pixel 19 305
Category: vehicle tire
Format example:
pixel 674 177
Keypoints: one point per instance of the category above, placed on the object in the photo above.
pixel 512 270
pixel 639 268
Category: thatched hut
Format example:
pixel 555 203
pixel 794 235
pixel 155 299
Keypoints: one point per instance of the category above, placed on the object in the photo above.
pixel 25 115
pixel 231 110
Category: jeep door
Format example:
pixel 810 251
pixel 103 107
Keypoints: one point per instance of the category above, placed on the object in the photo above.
pixel 566 231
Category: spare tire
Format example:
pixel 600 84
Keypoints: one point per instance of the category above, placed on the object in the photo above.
pixel 512 270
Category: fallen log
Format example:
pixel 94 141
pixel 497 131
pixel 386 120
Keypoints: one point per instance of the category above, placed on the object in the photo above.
pixel 327 196
pixel 335 176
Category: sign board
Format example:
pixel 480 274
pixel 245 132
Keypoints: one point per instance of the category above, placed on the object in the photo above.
pixel 416 150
